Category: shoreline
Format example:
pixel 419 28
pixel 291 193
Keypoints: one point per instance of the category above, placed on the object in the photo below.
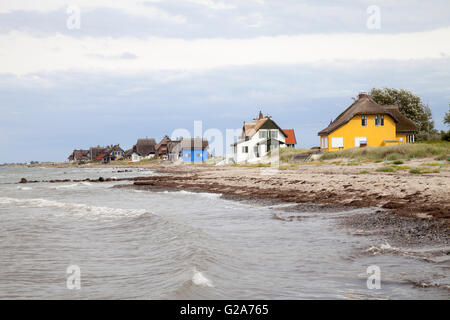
pixel 408 209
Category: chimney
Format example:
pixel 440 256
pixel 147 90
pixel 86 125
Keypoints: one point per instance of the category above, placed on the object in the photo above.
pixel 362 95
pixel 260 115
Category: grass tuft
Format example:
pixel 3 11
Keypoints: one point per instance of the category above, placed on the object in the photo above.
pixel 396 152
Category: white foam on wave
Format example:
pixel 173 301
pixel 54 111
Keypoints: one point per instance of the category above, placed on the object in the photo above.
pixel 199 194
pixel 78 208
pixel 200 280
pixel 24 188
pixel 69 186
pixel 386 247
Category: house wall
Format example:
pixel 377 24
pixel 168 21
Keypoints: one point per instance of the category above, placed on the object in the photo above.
pixel 191 155
pixel 375 134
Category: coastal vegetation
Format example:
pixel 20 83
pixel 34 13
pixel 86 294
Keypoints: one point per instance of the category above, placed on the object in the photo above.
pixel 440 150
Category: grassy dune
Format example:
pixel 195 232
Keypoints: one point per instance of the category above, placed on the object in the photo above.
pixel 440 150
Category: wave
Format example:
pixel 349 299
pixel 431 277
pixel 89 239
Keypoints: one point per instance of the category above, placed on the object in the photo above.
pixel 69 186
pixel 24 188
pixel 90 210
pixel 199 194
pixel 200 280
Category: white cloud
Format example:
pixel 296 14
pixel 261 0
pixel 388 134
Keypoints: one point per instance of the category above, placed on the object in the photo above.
pixel 136 7
pixel 23 53
pixel 213 4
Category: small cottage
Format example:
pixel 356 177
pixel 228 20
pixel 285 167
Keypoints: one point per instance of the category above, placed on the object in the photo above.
pixel 259 137
pixel 366 123
pixel 193 149
pixel 161 149
pixel 79 156
pixel 143 149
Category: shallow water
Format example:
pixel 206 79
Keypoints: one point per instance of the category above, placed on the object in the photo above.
pixel 180 245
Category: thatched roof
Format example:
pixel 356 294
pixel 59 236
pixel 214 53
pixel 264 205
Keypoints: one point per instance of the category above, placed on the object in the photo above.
pixel 404 124
pixel 363 106
pixel 164 142
pixel 172 144
pixel 144 147
pixel 194 143
pixel 251 128
pixel 128 153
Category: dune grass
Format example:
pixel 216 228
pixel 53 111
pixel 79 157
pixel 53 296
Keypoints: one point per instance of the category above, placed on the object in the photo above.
pixel 287 153
pixel 393 153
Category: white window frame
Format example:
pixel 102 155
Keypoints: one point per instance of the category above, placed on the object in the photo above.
pixel 337 142
pixel 358 141
pixel 263 134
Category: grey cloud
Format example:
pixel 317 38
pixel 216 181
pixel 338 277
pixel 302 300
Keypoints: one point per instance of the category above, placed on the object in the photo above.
pixel 79 109
pixel 249 19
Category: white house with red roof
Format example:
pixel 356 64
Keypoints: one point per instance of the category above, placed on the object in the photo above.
pixel 259 137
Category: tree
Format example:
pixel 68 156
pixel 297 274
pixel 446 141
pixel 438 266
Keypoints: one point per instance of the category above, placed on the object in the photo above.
pixel 411 106
pixel 447 116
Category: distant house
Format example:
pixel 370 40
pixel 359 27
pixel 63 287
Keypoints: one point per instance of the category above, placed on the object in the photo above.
pixel 79 156
pixel 259 137
pixel 290 140
pixel 193 149
pixel 366 123
pixel 96 153
pixel 174 150
pixel 106 154
pixel 113 153
pixel 143 149
pixel 161 149
pixel 127 154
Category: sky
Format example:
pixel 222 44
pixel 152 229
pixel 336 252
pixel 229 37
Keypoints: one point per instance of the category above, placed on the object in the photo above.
pixel 75 74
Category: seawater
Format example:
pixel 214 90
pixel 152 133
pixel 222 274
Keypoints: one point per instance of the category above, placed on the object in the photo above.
pixel 136 244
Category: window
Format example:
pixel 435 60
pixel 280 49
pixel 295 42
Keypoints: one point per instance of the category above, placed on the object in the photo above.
pixel 337 142
pixel 245 149
pixel 274 134
pixel 401 139
pixel 364 121
pixel 379 120
pixel 360 141
pixel 262 134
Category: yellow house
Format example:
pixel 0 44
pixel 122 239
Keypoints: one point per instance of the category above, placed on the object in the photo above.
pixel 366 123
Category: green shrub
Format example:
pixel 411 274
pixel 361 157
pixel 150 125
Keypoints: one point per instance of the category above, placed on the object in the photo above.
pixel 385 169
pixel 415 171
pixel 364 172
pixel 401 167
pixel 398 162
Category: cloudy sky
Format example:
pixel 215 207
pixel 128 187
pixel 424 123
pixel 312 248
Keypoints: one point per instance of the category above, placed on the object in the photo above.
pixel 80 73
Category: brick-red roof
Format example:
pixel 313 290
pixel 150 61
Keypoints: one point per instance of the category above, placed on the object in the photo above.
pixel 290 139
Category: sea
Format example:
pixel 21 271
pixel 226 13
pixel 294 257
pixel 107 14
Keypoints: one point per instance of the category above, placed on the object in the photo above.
pixel 91 240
